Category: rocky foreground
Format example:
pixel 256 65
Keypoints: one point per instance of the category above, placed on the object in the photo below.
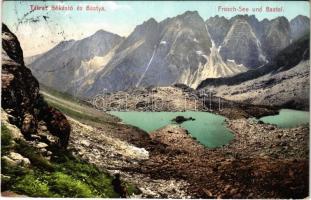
pixel 101 147
pixel 263 161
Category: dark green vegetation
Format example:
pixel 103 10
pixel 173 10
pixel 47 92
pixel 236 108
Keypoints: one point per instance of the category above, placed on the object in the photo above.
pixel 6 139
pixel 62 176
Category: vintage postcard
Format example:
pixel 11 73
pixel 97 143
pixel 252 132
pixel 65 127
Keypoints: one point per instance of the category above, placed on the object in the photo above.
pixel 155 99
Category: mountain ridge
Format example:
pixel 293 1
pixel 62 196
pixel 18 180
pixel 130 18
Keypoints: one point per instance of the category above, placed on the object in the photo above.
pixel 283 82
pixel 67 61
pixel 178 50
pixel 298 51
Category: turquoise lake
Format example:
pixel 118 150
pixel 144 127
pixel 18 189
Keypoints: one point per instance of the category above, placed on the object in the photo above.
pixel 208 128
pixel 288 118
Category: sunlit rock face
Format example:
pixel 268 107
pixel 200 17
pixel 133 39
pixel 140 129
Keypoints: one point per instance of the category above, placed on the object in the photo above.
pixel 242 45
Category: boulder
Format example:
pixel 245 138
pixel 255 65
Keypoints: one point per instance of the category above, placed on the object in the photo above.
pixel 19 159
pixel 41 145
pixel 15 131
pixel 43 128
pixel 15 159
pixel 8 161
pixel 85 143
pixel 5 178
pixel 15 156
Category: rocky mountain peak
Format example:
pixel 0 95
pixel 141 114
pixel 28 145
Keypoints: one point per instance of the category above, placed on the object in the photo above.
pixel 300 26
pixel 218 28
pixel 145 27
pixel 281 22
pixel 104 33
pixel 244 17
pixel 190 16
pixel 190 13
pixel 150 22
pixel 265 20
pixel 276 36
pixel 100 31
pixel 148 31
pixel 300 18
pixel 72 59
pixel 65 43
pixel 251 19
pixel 243 36
pixel 216 17
pixel 179 49
pixel 194 12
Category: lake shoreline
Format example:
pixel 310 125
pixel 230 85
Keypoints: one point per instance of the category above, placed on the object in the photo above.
pixel 176 99
pixel 265 154
pixel 206 127
pixel 263 161
pixel 288 118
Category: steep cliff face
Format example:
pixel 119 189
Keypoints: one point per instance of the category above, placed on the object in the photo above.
pixel 299 26
pixel 158 54
pixel 276 37
pixel 251 42
pixel 175 50
pixel 20 94
pixel 19 88
pixel 218 28
pixel 242 45
pixel 257 26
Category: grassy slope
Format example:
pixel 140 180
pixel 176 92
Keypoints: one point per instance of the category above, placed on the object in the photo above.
pixel 65 176
pixel 79 110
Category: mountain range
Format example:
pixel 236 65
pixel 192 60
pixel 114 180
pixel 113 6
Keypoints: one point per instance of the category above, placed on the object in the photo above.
pixel 183 49
pixel 282 82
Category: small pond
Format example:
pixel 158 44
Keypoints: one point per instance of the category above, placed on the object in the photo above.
pixel 288 118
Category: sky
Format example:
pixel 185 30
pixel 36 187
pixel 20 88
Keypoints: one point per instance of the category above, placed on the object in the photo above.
pixel 40 30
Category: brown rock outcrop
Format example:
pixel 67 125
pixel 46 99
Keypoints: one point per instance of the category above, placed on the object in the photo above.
pixel 20 94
